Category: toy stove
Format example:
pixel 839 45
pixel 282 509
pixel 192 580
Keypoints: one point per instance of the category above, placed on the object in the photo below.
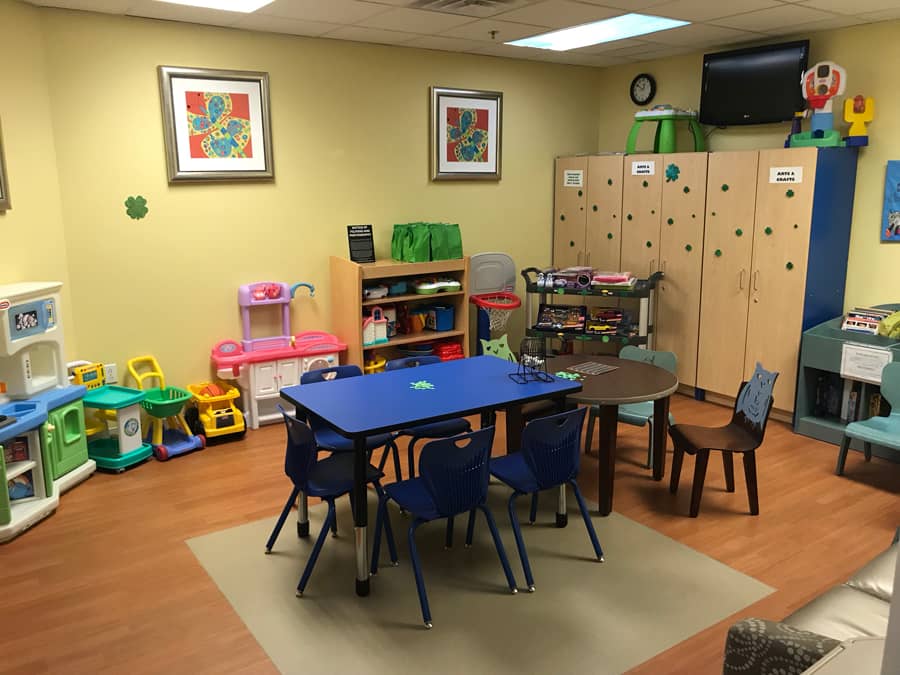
pixel 31 339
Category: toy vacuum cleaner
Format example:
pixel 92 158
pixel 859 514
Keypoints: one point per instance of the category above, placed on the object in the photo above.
pixel 169 433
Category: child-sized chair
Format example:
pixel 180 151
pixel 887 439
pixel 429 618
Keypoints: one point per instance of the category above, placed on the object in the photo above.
pixel 637 414
pixel 457 425
pixel 327 479
pixel 549 458
pixel 744 434
pixel 883 431
pixel 453 479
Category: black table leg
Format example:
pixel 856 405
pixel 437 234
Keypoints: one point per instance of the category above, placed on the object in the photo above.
pixel 514 426
pixel 608 420
pixel 660 431
pixel 360 514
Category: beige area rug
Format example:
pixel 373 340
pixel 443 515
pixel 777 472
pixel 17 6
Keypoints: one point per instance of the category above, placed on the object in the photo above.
pixel 585 617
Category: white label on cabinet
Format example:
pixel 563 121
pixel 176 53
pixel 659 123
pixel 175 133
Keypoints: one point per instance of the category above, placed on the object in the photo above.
pixel 573 178
pixel 786 174
pixel 643 168
pixel 861 362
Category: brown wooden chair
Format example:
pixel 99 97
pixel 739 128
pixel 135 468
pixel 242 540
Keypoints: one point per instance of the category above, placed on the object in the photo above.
pixel 744 434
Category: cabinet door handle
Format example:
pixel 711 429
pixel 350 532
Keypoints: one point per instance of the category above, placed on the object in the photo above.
pixel 587 259
pixel 664 266
pixel 652 265
pixel 578 259
pixel 756 280
pixel 741 283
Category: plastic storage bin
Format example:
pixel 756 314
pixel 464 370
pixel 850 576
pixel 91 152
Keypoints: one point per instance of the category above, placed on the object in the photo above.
pixel 439 317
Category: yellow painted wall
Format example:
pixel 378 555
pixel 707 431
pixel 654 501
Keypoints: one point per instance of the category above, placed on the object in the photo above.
pixel 32 239
pixel 350 124
pixel 869 53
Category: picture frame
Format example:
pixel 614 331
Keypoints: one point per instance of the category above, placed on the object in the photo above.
pixel 5 204
pixel 466 134
pixel 216 123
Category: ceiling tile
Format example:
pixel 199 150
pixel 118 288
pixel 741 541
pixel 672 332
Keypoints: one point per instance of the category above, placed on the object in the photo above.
pixel 168 12
pixel 559 14
pixel 775 19
pixel 443 44
pixel 364 34
pixel 627 5
pixel 884 15
pixel 108 6
pixel 855 7
pixel 415 21
pixel 609 47
pixel 825 24
pixel 463 7
pixel 280 24
pixel 700 35
pixel 506 30
pixel 704 10
pixel 332 11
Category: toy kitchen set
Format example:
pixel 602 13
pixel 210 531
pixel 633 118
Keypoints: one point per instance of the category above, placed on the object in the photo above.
pixel 43 449
pixel 262 366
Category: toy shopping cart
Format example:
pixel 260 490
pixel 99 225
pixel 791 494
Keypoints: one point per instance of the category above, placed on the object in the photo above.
pixel 169 433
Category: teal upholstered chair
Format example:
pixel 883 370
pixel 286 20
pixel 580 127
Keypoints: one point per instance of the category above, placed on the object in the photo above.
pixel 881 430
pixel 638 414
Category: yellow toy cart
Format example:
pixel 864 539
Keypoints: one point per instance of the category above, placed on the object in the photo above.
pixel 169 433
pixel 216 412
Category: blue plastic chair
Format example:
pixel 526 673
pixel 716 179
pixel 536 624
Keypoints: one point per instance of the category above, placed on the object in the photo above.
pixel 327 479
pixel 453 480
pixel 458 425
pixel 638 414
pixel 883 431
pixel 549 458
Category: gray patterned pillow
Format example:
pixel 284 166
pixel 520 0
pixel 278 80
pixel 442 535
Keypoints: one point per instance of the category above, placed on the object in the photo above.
pixel 760 647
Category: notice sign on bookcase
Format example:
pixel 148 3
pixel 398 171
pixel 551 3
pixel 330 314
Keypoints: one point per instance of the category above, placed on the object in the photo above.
pixel 861 362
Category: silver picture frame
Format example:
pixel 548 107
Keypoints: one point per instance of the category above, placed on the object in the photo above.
pixel 185 164
pixel 463 166
pixel 5 204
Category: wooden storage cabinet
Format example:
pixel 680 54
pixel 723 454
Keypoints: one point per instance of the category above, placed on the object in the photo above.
pixel 587 217
pixel 680 254
pixel 641 205
pixel 727 256
pixel 348 279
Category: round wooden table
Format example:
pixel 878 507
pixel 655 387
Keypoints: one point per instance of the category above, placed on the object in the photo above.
pixel 630 382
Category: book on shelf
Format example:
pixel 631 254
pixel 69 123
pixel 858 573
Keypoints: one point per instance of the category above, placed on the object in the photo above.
pixel 850 408
pixel 864 320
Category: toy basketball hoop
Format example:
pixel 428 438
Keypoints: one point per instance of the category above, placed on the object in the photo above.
pixel 498 306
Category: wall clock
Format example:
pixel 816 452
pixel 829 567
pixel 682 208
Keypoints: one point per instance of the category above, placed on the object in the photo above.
pixel 643 89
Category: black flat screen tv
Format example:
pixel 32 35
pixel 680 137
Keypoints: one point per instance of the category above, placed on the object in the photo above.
pixel 758 85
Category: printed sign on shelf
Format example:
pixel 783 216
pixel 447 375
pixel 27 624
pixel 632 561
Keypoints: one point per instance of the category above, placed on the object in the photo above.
pixel 643 168
pixel 573 178
pixel 362 246
pixel 862 362
pixel 786 174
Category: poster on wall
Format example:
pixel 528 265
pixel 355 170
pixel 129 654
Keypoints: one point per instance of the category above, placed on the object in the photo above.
pixel 216 124
pixel 4 185
pixel 890 222
pixel 465 134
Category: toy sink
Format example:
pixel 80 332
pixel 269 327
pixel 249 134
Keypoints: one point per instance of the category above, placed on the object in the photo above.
pixel 19 409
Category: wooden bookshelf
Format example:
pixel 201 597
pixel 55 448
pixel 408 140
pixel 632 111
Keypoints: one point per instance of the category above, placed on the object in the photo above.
pixel 348 279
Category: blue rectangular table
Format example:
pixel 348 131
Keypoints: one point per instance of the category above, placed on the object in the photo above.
pixel 358 407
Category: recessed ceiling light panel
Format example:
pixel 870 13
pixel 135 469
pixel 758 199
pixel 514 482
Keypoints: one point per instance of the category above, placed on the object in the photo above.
pixel 608 30
pixel 245 6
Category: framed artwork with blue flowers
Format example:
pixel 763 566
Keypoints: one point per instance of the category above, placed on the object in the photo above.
pixel 216 123
pixel 465 134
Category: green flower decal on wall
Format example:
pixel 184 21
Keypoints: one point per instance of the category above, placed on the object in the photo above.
pixel 645 184
pixel 609 181
pixel 595 207
pixel 671 221
pixel 789 194
pixel 609 235
pixel 688 248
pixel 136 207
pixel 562 216
pixel 724 187
pixel 768 231
pixel 718 253
pixel 739 232
pixel 672 172
pixel 421 385
pixel 796 226
pixel 686 189
pixel 789 266
pixel 628 216
pixel 649 244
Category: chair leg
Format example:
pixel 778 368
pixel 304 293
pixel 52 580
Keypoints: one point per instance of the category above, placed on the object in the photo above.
pixel 520 542
pixel 650 444
pixel 588 523
pixel 728 463
pixel 311 563
pixel 534 506
pixel 750 473
pixel 410 458
pixel 842 455
pixel 699 477
pixel 383 518
pixel 867 451
pixel 589 436
pixel 302 515
pixel 470 528
pixel 417 572
pixel 284 514
pixel 677 460
pixel 498 544
pixel 448 537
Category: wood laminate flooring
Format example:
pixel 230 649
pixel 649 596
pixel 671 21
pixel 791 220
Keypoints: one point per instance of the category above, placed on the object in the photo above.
pixel 107 584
